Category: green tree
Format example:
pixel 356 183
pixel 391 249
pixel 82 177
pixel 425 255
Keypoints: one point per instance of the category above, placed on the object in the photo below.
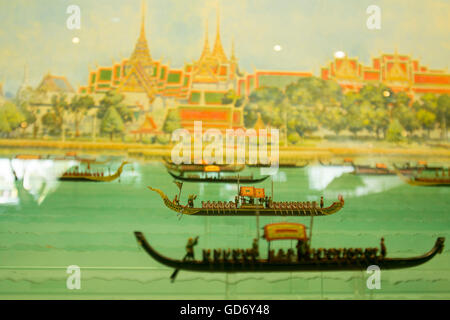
pixel 5 128
pixel 115 99
pixel 394 131
pixel 267 94
pixel 51 123
pixel 25 101
pixel 112 123
pixel 316 93
pixel 231 97
pixel 407 117
pixel 378 100
pixel 60 106
pixel 10 118
pixel 79 106
pixel 443 113
pixel 271 104
pixel 172 121
pixel 429 102
pixel 427 120
pixel 354 118
pixel 334 119
pixel 250 115
pixel 294 137
pixel 302 121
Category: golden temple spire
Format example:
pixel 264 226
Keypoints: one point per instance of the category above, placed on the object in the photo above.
pixel 206 50
pixel 218 51
pixel 142 34
pixel 141 52
pixel 233 56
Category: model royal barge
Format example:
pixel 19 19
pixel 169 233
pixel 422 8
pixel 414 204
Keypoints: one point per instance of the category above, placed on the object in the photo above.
pixel 194 167
pixel 280 165
pixel 251 201
pixel 213 174
pixel 303 258
pixel 89 176
pixel 379 169
pixel 437 181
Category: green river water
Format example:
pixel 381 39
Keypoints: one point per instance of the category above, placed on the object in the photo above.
pixel 47 225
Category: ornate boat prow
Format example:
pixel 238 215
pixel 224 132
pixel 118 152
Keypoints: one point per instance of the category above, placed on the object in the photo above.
pixel 173 205
pixel 160 192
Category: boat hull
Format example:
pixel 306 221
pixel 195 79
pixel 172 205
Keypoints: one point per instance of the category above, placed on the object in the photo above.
pixel 218 180
pixel 362 170
pixel 249 211
pixel 68 177
pixel 280 165
pixel 264 265
pixel 429 182
pixel 201 167
pixel 424 182
pixel 85 179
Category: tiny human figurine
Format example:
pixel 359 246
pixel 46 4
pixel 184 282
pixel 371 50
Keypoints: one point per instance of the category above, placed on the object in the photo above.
pixel 206 254
pixel 190 248
pixel 255 248
pixel 383 248
pixel 301 249
pixel 226 254
pixel 280 255
pixel 191 199
pixel 321 202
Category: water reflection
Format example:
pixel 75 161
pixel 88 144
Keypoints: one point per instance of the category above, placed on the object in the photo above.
pixel 35 177
pixel 336 180
pixel 321 176
pixel 8 191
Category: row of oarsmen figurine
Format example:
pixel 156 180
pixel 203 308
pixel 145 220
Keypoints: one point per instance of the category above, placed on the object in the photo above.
pixel 283 205
pixel 304 253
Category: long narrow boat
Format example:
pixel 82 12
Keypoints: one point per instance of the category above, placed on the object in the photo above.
pixel 219 179
pixel 347 162
pixel 91 177
pixel 425 181
pixel 280 165
pixel 89 161
pixel 28 157
pixel 380 169
pixel 249 207
pixel 194 167
pixel 422 166
pixel 306 259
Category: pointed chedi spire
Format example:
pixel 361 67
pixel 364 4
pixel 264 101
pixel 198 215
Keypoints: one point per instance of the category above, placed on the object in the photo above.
pixel 142 33
pixel 218 51
pixel 141 52
pixel 206 53
pixel 233 56
pixel 24 84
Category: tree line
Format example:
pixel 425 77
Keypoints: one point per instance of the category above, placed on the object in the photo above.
pixel 310 104
pixel 299 110
pixel 64 115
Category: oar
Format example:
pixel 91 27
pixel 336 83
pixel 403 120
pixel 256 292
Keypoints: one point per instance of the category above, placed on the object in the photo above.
pixel 175 272
pixel 174 275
